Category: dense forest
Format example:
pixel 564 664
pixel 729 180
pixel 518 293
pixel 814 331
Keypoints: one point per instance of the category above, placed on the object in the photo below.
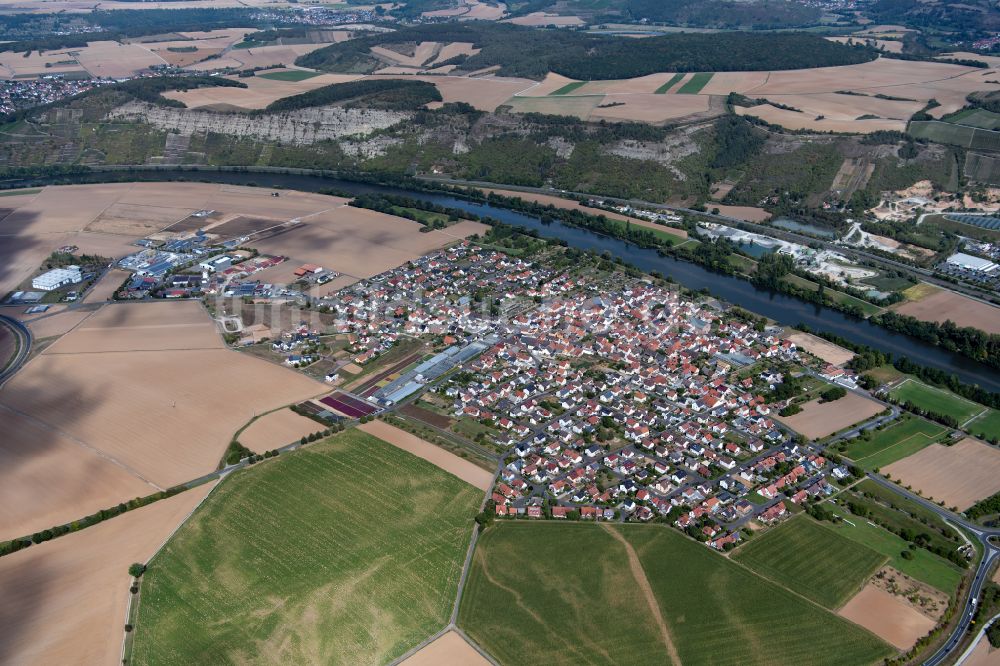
pixel 534 53
pixel 390 94
pixel 755 15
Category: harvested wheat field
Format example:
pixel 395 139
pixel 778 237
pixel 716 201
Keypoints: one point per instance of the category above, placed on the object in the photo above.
pixel 958 475
pixel 947 305
pixel 470 10
pixel 818 420
pixel 114 60
pixel 58 323
pixel 164 413
pixel 361 242
pixel 887 616
pixel 166 416
pixel 156 326
pixel 450 649
pixel 551 83
pixel 259 91
pixel 888 45
pixel 649 107
pixel 806 121
pixel 820 348
pixel 536 19
pixel 67 598
pixel 64 478
pixel 449 462
pixel 107 286
pixel 277 429
pixel 17 65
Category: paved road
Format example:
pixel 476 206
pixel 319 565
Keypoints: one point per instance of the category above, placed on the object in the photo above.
pixel 24 339
pixel 852 252
pixel 991 554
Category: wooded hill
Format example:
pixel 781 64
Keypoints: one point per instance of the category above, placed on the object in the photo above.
pixel 533 53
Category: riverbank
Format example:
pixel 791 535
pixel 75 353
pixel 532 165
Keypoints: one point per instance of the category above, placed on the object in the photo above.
pixel 782 308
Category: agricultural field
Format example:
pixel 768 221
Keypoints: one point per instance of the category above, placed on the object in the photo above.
pixel 359 576
pixel 958 475
pixel 955 135
pixel 142 411
pixel 888 616
pixel 897 441
pixel 449 462
pixel 717 613
pixel 823 349
pixel 450 648
pixel 360 242
pixel 67 597
pixel 946 305
pixel 695 83
pixel 277 429
pixel 818 420
pixel 807 558
pixel 925 565
pixel 261 90
pixel 935 400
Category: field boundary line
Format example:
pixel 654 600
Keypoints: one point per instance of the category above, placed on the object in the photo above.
pixel 81 443
pixel 138 595
pixel 639 573
pixel 892 446
pixel 986 410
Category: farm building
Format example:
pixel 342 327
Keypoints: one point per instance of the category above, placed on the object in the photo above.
pixel 57 277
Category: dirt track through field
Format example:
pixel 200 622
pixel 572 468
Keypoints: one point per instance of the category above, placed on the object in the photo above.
pixel 640 577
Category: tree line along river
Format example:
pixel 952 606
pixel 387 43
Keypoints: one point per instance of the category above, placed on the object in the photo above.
pixel 782 308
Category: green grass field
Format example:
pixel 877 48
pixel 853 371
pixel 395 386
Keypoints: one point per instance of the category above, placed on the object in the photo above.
pixel 553 594
pixel 289 75
pixel 568 88
pixel 956 135
pixel 975 118
pixel 901 439
pixel 935 400
pixel 347 551
pixel 986 426
pixel 925 565
pixel 674 80
pixel 811 560
pixel 695 83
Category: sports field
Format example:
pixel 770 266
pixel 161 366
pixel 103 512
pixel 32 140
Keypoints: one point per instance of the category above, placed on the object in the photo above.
pixel 809 559
pixel 935 400
pixel 348 552
pixel 901 439
pixel 986 426
pixel 532 599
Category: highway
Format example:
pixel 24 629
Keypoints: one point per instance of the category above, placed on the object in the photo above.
pixel 24 339
pixel 991 554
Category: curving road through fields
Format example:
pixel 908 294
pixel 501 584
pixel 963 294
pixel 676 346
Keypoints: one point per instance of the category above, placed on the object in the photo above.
pixel 23 338
pixel 991 554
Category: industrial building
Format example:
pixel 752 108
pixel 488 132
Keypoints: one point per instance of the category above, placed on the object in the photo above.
pixel 971 263
pixel 57 277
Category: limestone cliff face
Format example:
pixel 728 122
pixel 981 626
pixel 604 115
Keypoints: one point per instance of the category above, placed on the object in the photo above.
pixel 301 127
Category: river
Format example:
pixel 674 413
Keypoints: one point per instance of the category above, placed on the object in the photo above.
pixel 782 308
